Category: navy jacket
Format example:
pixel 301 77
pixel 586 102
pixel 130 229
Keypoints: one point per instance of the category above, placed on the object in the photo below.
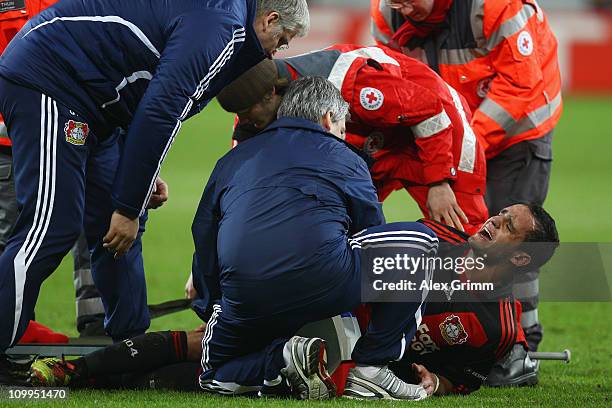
pixel 278 208
pixel 144 65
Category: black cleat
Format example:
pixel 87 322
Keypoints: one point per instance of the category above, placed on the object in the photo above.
pixel 14 372
pixel 515 369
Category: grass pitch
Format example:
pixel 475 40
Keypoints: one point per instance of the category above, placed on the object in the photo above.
pixel 580 197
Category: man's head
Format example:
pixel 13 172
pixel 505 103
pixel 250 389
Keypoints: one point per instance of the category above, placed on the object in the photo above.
pixel 417 10
pixel 317 100
pixel 256 95
pixel 278 21
pixel 524 235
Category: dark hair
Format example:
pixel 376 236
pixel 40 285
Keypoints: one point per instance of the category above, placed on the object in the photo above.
pixel 543 240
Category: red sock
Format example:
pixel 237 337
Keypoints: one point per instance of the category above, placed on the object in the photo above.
pixel 37 333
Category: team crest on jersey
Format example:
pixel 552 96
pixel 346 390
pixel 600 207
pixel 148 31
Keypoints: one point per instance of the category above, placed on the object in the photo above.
pixel 524 43
pixel 453 331
pixel 374 143
pixel 371 98
pixel 76 132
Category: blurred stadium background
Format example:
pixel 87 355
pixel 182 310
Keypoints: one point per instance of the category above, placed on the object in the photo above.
pixel 580 198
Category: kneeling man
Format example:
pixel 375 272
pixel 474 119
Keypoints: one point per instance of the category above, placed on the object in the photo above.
pixel 279 236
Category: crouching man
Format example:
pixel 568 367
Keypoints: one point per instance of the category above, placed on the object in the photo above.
pixel 280 234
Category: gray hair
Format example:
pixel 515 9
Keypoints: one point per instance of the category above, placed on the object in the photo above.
pixel 311 98
pixel 294 14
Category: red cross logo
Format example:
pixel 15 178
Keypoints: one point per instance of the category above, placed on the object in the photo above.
pixel 526 43
pixel 371 97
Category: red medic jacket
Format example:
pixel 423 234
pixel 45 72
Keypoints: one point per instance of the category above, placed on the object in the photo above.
pixel 403 114
pixel 13 16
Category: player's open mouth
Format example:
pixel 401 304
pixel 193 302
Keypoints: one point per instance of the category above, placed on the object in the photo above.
pixel 485 233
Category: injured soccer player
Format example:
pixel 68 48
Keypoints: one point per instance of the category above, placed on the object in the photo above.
pixel 283 234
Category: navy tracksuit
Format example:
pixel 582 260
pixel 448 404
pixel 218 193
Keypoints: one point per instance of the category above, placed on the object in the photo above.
pixel 273 253
pixel 72 76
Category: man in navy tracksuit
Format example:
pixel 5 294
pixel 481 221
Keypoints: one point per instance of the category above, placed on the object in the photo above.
pixel 74 74
pixel 284 228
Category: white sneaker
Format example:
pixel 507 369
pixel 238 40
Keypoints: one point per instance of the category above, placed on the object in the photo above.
pixel 383 385
pixel 306 369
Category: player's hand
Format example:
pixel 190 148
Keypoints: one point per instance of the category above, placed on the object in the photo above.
pixel 121 234
pixel 159 196
pixel 190 292
pixel 443 207
pixel 426 379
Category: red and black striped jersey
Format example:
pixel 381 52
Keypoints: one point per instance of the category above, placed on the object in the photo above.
pixel 459 337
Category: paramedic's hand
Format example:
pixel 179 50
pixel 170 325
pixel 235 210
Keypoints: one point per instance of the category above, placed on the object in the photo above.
pixel 190 292
pixel 121 234
pixel 443 207
pixel 160 194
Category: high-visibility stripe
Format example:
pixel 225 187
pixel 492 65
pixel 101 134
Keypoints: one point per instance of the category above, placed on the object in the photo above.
pixel 524 290
pixel 529 318
pixel 44 202
pixel 507 29
pixel 345 60
pixel 105 19
pixel 536 117
pixel 477 22
pixel 467 159
pixel 499 115
pixel 89 307
pixel 431 126
pixel 528 122
pixel 511 26
pixel 378 34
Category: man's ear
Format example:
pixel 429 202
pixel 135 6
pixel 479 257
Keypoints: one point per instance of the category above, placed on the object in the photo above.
pixel 326 121
pixel 520 259
pixel 270 20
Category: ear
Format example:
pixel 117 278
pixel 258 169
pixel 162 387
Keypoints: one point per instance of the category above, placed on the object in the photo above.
pixel 520 259
pixel 326 121
pixel 270 20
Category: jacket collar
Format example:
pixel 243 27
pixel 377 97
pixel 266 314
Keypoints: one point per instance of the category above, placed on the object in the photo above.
pixel 251 34
pixel 297 123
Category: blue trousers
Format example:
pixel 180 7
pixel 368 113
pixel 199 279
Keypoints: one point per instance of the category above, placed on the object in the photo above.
pixel 63 180
pixel 241 354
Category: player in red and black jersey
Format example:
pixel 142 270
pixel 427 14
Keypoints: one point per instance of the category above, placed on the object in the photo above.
pixel 464 332
pixel 458 340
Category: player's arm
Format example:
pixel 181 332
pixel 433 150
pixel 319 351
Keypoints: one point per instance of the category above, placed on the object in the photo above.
pixel 199 47
pixel 518 81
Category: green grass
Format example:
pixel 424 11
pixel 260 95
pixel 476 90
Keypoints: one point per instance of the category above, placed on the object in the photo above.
pixel 580 198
